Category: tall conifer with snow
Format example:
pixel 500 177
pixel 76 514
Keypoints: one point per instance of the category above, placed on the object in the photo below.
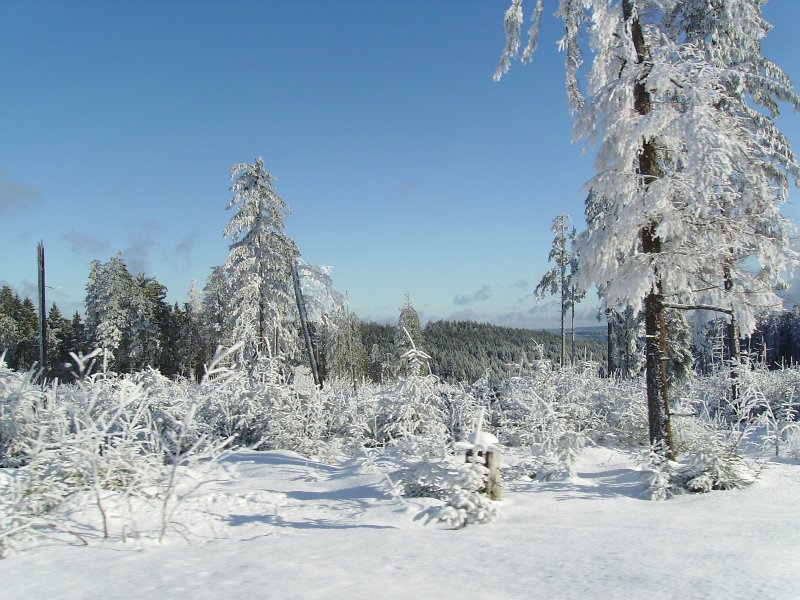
pixel 146 303
pixel 215 308
pixel 192 347
pixel 259 264
pixel 108 309
pixel 691 169
pixel 408 322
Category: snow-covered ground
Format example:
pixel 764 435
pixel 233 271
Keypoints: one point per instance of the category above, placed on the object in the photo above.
pixel 275 525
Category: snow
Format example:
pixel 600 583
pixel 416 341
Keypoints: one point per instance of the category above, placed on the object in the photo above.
pixel 276 525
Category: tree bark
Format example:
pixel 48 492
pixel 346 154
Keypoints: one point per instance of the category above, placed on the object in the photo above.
pixel 657 382
pixel 654 317
pixel 611 369
pixel 733 339
pixel 563 314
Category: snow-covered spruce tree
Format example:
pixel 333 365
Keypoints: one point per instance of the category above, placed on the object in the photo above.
pixel 691 167
pixel 408 322
pixel 144 329
pixel 192 347
pixel 259 265
pixel 216 303
pixel 108 309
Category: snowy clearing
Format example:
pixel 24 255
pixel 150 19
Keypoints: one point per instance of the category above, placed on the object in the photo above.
pixel 275 525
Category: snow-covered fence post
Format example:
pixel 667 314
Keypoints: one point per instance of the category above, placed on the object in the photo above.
pixel 483 444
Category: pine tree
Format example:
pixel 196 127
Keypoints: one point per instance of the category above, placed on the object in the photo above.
pixel 28 331
pixel 191 345
pixel 108 310
pixel 10 310
pixel 408 322
pixel 259 264
pixel 57 350
pixel 690 166
pixel 215 308
pixel 146 321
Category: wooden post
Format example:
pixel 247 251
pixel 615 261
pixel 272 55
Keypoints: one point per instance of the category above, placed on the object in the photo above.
pixel 493 486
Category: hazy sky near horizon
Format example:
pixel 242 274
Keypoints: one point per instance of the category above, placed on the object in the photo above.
pixel 405 166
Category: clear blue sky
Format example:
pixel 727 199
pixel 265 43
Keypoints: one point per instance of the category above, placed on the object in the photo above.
pixel 405 166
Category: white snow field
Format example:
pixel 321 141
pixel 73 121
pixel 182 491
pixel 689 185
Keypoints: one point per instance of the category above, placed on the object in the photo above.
pixel 275 525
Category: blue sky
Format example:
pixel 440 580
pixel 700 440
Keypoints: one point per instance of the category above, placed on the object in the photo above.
pixel 405 166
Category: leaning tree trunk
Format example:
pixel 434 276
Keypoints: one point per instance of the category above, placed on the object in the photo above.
pixel 301 309
pixel 654 311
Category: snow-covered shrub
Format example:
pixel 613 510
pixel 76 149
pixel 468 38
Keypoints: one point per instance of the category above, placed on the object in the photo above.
pixel 716 466
pixel 659 475
pixel 411 407
pixel 459 485
pixel 298 421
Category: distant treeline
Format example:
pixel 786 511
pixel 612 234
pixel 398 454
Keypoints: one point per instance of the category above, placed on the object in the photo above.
pixel 466 350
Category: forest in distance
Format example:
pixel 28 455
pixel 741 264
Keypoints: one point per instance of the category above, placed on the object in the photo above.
pixel 460 351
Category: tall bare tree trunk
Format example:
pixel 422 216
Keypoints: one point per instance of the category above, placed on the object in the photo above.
pixel 654 313
pixel 610 367
pixel 42 314
pixel 572 324
pixel 563 314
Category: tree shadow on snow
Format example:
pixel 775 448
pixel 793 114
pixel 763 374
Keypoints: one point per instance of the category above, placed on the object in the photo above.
pixel 590 485
pixel 351 493
pixel 278 521
pixel 277 458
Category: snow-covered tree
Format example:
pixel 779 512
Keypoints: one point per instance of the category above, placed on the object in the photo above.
pixel 216 307
pixel 144 327
pixel 691 168
pixel 192 346
pixel 319 293
pixel 108 294
pixel 345 356
pixel 560 279
pixel 408 322
pixel 259 264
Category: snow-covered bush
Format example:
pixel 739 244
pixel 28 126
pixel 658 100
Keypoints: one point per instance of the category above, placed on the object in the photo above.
pixel 458 484
pixel 659 475
pixel 410 408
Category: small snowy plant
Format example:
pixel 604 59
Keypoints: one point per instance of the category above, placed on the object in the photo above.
pixel 659 475
pixel 464 502
pixel 716 466
pixel 459 485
